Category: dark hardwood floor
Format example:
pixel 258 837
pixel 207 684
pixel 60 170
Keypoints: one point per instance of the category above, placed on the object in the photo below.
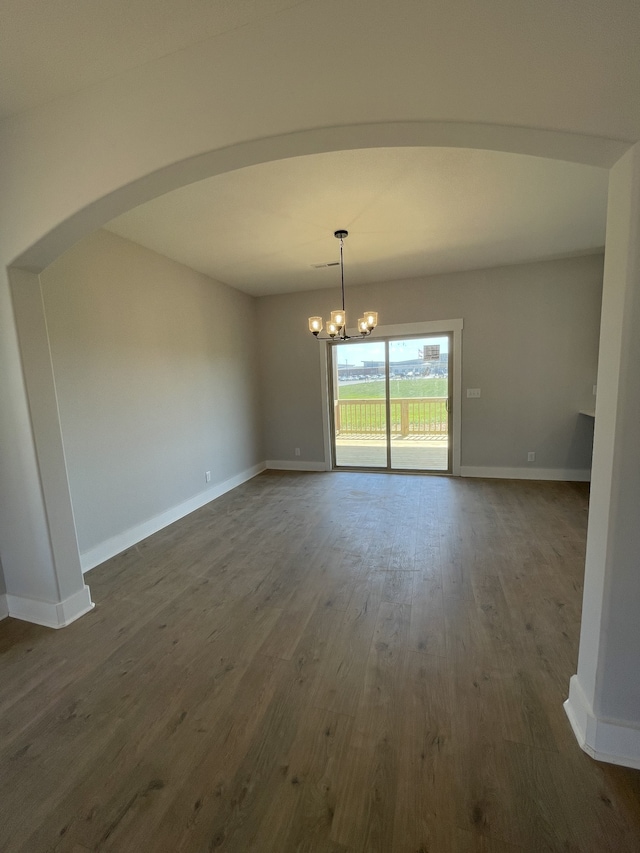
pixel 330 663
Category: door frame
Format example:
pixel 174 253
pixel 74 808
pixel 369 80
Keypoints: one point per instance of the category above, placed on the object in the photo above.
pixel 431 327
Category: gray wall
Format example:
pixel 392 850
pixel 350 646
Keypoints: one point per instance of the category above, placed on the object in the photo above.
pixel 155 374
pixel 530 343
pixel 159 371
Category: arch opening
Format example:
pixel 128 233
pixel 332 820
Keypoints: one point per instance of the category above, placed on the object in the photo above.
pixel 555 145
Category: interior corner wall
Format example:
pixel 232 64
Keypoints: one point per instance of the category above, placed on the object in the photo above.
pixel 530 343
pixel 155 376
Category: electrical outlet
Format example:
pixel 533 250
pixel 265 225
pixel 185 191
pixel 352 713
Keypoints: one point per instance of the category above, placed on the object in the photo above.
pixel 531 456
pixel 473 392
pixel 297 451
pixel 207 476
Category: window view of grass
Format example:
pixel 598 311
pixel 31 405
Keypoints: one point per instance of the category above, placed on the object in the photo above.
pixel 417 405
pixel 375 389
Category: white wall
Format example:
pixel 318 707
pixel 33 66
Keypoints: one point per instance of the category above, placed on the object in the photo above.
pixel 530 343
pixel 604 696
pixel 154 367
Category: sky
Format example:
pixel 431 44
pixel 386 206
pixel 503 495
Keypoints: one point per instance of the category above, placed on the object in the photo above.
pixel 353 354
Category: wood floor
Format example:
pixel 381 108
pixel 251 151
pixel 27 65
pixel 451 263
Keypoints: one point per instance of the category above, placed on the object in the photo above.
pixel 329 663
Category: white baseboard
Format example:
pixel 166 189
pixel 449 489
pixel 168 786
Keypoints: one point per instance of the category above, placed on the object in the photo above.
pixel 4 607
pixel 581 475
pixel 286 465
pixel 51 614
pixel 604 740
pixel 116 544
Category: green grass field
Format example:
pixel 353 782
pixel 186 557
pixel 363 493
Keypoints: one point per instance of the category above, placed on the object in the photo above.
pixel 397 387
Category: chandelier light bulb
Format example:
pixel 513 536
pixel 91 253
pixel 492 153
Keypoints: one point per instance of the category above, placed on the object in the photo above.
pixel 339 318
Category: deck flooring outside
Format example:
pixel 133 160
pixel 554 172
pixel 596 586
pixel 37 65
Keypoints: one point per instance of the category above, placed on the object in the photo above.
pixel 409 454
pixel 319 663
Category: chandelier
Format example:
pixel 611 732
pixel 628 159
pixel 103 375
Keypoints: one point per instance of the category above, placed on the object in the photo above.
pixel 337 325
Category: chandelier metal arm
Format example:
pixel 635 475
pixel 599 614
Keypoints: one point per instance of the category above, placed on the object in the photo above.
pixel 342 337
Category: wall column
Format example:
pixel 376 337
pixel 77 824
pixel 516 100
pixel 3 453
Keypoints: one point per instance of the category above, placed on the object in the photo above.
pixel 50 591
pixel 604 696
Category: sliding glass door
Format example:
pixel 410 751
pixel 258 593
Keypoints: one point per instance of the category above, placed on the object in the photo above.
pixel 360 405
pixel 419 400
pixel 391 403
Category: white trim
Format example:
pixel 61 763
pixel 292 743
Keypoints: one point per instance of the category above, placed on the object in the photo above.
pixel 286 465
pixel 580 475
pixel 4 607
pixel 604 740
pixel 121 541
pixel 51 614
pixel 457 396
pixel 326 415
pixel 427 327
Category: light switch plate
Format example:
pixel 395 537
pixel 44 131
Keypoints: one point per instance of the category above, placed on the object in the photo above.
pixel 473 392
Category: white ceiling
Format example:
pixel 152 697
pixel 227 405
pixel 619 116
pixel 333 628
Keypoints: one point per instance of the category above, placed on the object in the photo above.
pixel 49 48
pixel 409 211
pixel 569 65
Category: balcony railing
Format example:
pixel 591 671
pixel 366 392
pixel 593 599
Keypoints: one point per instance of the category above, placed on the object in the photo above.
pixel 419 416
